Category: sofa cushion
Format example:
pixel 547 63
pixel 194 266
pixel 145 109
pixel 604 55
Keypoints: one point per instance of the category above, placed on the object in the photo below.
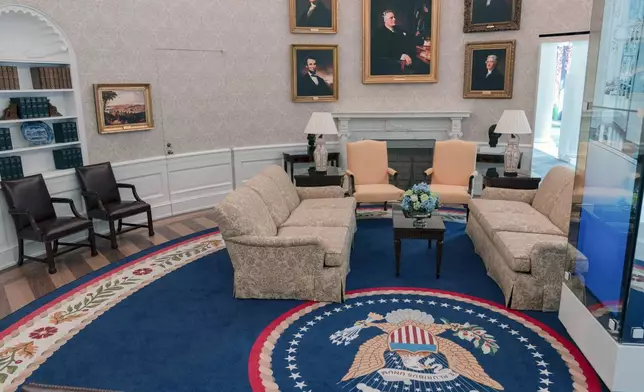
pixel 303 217
pixel 347 203
pixel 243 212
pixel 516 247
pixel 554 189
pixel 286 187
pixel 494 222
pixel 377 193
pixel 486 206
pixel 335 240
pixel 270 193
pixel 451 194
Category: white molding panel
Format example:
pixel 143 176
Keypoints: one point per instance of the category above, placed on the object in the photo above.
pixel 171 185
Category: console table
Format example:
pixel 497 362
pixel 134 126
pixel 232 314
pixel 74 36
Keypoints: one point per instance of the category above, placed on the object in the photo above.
pixel 292 159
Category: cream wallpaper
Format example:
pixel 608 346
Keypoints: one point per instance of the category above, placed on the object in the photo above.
pixel 220 69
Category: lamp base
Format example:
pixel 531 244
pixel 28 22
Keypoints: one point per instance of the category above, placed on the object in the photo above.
pixel 512 157
pixel 320 156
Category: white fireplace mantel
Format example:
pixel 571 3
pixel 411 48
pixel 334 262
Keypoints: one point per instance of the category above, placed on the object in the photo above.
pixel 354 126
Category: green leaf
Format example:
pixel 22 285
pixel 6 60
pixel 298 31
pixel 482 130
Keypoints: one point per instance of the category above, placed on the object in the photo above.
pixel 78 306
pixel 108 285
pixel 100 289
pixel 3 377
pixel 12 369
pixel 70 309
pixel 86 300
pixel 176 258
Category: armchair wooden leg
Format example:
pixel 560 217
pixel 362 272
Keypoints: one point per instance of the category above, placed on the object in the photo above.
pixel 120 226
pixel 21 251
pixel 49 250
pixel 55 248
pixel 113 242
pixel 92 241
pixel 467 212
pixel 385 206
pixel 150 224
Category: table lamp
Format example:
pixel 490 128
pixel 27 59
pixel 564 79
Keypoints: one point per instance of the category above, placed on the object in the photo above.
pixel 321 123
pixel 513 123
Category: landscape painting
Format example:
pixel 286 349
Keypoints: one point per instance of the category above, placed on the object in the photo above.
pixel 123 107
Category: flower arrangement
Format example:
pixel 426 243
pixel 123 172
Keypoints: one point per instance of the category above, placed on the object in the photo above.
pixel 419 200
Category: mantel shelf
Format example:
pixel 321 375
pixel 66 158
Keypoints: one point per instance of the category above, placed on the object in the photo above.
pixel 24 120
pixel 53 90
pixel 37 148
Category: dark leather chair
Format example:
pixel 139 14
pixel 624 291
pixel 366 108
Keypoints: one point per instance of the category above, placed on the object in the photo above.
pixel 103 200
pixel 32 210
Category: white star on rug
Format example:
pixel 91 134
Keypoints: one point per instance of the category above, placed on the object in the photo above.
pixel 542 389
pixel 300 385
pixel 542 363
pixel 394 300
pixel 531 347
pixel 318 318
pixel 537 355
pixel 359 304
pixel 432 302
pixel 481 315
pixel 406 300
pixel 370 302
pixel 304 329
pixel 291 367
pixel 290 358
pixel 291 350
pixel 419 301
pixel 294 376
pixel 383 301
pixel 298 335
pixel 457 308
pixel 327 313
pixel 546 381
pixel 493 321
pixel 311 323
pixel 545 372
pixel 522 339
pixel 504 326
pixel 513 332
pixel 348 306
pixel 294 342
pixel 469 311
pixel 337 310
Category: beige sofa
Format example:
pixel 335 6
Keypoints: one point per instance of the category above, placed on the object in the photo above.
pixel 287 242
pixel 521 235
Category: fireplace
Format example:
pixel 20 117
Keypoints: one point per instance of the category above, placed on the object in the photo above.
pixel 410 158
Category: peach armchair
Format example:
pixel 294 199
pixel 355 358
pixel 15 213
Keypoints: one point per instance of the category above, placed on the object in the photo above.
pixel 453 171
pixel 368 170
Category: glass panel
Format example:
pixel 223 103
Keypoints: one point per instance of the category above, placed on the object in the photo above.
pixel 605 203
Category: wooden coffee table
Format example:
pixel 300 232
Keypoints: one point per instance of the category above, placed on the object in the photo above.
pixel 434 230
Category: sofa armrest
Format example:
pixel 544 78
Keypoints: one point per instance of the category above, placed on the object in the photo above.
pixel 524 195
pixel 322 192
pixel 288 254
pixel 549 261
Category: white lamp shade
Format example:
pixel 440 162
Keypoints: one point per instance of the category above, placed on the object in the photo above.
pixel 513 121
pixel 321 123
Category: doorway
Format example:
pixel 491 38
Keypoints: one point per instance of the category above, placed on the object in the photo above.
pixel 562 74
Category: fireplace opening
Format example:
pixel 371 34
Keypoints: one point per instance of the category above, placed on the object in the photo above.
pixel 410 158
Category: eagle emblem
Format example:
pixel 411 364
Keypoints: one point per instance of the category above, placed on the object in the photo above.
pixel 414 337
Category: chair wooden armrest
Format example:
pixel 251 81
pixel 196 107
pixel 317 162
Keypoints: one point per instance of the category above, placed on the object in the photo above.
pixel 393 174
pixel 132 187
pixel 428 174
pixel 469 186
pixel 352 182
pixel 29 216
pixel 71 205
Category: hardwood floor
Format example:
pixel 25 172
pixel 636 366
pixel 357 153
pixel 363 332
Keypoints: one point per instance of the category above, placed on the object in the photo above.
pixel 21 285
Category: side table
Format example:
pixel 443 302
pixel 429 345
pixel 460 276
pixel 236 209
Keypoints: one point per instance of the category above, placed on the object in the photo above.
pixel 333 176
pixel 292 159
pixel 522 181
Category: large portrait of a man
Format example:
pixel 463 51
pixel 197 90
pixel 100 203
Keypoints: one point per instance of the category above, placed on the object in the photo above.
pixel 314 16
pixel 400 41
pixel 315 73
pixel 489 69
pixel 492 15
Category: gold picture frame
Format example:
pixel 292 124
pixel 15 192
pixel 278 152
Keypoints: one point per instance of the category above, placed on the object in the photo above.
pixel 499 15
pixel 314 70
pixel 421 36
pixel 489 69
pixel 322 20
pixel 123 107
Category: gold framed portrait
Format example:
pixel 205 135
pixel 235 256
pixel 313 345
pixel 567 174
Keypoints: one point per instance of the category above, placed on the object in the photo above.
pixel 315 73
pixel 400 41
pixel 313 16
pixel 492 15
pixel 123 107
pixel 489 69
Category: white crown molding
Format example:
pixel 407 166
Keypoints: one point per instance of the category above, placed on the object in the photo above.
pixel 61 41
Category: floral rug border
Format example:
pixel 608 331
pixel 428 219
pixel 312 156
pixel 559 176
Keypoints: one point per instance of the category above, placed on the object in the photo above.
pixel 26 344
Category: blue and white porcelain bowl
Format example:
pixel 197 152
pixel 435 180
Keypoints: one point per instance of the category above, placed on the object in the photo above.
pixel 37 133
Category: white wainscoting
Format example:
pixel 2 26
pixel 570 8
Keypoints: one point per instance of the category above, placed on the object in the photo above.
pixel 249 161
pixel 172 185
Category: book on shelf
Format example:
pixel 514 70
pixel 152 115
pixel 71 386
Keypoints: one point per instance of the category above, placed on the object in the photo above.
pixel 65 132
pixel 5 139
pixel 68 158
pixel 31 107
pixel 11 168
pixel 51 78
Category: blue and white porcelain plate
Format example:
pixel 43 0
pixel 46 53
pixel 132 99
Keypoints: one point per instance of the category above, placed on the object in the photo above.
pixel 37 133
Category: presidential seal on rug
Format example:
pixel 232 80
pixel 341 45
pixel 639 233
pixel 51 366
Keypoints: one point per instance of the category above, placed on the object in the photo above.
pixel 414 340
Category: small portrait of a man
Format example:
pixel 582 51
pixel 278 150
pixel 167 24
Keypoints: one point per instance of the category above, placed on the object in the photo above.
pixel 489 69
pixel 492 15
pixel 398 41
pixel 314 16
pixel 314 68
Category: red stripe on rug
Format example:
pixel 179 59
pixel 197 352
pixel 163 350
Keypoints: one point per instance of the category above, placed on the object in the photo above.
pixel 63 297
